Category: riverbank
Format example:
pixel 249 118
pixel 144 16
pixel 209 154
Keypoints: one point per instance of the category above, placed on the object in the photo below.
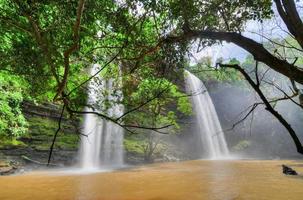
pixel 209 180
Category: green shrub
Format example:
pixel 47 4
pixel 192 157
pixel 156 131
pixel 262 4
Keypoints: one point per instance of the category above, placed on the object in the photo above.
pixel 12 122
pixel 243 144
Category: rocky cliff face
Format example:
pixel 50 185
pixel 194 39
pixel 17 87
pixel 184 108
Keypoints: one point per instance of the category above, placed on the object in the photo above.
pixel 32 149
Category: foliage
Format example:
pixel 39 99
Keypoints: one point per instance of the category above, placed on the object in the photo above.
pixel 230 15
pixel 207 72
pixel 12 121
pixel 148 146
pixel 133 144
pixel 244 144
pixel 36 34
pixel 157 97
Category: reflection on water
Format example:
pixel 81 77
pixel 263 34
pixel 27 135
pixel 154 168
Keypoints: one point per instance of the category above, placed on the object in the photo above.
pixel 221 175
pixel 209 180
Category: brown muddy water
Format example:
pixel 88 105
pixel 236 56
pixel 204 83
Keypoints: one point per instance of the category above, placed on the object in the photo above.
pixel 209 180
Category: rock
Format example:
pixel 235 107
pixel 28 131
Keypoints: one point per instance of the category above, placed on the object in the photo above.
pixel 6 170
pixel 170 158
pixel 3 164
pixel 288 171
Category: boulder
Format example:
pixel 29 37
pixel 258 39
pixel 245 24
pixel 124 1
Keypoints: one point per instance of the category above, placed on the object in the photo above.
pixel 6 168
pixel 288 171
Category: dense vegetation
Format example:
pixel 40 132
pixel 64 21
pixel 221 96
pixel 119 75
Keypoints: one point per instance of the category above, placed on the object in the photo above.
pixel 142 46
pixel 12 122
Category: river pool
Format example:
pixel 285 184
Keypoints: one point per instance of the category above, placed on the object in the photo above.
pixel 190 180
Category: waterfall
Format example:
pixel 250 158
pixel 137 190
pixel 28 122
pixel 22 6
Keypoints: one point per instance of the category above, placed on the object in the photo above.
pixel 210 132
pixel 102 141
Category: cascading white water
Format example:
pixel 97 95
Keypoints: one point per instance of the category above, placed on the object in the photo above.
pixel 210 131
pixel 102 140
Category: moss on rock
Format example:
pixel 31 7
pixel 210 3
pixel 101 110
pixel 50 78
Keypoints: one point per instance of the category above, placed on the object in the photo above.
pixel 41 132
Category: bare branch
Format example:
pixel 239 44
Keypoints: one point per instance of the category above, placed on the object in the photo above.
pixel 125 126
pixel 269 107
pixel 286 96
pixel 144 103
pixel 55 136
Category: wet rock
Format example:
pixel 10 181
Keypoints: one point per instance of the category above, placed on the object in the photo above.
pixel 288 171
pixel 170 158
pixel 6 168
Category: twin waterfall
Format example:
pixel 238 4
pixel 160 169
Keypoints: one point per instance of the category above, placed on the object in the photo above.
pixel 102 141
pixel 210 132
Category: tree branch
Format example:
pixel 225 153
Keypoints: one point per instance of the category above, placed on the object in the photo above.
pixel 55 136
pixel 289 14
pixel 269 107
pixel 71 49
pixel 256 49
pixel 125 126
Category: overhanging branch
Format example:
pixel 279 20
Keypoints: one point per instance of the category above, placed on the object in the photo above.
pixel 256 49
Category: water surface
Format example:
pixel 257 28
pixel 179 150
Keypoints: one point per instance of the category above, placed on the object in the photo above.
pixel 209 180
